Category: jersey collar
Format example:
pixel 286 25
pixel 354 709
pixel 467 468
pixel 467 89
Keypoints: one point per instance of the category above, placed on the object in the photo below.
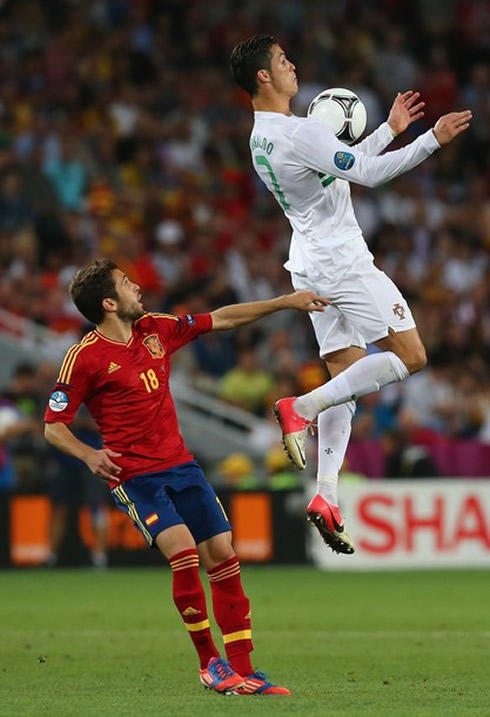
pixel 113 341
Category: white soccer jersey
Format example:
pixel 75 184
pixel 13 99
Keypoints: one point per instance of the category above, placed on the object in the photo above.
pixel 308 170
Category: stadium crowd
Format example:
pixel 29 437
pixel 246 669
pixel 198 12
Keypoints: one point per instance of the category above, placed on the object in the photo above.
pixel 122 135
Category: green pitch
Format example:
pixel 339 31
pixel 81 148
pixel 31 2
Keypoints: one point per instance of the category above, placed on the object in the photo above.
pixel 88 644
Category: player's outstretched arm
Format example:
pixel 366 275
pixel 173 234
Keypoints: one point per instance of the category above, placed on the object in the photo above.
pixel 405 109
pixel 99 462
pixel 230 317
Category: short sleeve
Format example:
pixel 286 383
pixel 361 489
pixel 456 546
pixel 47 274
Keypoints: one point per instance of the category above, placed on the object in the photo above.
pixel 180 330
pixel 70 388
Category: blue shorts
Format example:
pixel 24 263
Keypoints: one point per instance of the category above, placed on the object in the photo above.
pixel 178 496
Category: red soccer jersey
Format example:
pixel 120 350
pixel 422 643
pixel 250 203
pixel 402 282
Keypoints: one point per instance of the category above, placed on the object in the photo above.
pixel 126 389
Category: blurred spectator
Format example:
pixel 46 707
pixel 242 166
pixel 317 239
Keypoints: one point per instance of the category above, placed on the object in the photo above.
pixel 68 174
pixel 403 460
pixel 280 473
pixel 71 483
pixel 346 475
pixel 12 425
pixel 247 385
pixel 19 426
pixel 14 210
pixel 237 472
pixel 169 255
pixel 395 69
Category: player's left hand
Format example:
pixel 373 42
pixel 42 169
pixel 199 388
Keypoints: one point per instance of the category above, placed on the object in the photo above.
pixel 405 110
pixel 306 301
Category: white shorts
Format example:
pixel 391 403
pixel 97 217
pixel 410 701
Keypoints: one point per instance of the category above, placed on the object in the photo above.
pixel 365 304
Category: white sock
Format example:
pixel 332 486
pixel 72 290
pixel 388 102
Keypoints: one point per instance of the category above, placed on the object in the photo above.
pixel 367 375
pixel 334 428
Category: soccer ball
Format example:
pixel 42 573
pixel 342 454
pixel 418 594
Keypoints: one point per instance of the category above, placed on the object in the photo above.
pixel 342 111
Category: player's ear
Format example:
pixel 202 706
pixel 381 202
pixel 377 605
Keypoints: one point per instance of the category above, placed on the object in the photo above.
pixel 109 305
pixel 263 76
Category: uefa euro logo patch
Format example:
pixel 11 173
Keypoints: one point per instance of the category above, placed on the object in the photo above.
pixel 344 160
pixel 58 401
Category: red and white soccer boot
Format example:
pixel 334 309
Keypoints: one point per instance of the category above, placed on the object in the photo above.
pixel 219 676
pixel 294 430
pixel 328 521
pixel 258 684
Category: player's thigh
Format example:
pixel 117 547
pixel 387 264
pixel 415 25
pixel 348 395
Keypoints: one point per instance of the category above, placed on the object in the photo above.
pixel 199 505
pixel 173 540
pixel 408 346
pixel 145 500
pixel 372 302
pixel 333 330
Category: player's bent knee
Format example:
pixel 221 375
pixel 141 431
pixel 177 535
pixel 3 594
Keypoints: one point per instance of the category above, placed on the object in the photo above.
pixel 416 360
pixel 216 550
pixel 221 554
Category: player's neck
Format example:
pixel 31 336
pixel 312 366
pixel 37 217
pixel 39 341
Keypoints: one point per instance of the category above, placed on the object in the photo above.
pixel 274 103
pixel 116 329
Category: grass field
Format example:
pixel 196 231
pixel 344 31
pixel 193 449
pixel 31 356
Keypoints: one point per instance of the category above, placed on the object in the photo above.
pixel 87 644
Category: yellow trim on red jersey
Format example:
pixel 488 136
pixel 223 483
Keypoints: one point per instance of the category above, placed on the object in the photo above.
pixel 71 356
pixel 150 314
pixel 165 316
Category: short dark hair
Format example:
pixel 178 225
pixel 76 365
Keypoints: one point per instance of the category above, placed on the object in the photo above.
pixel 91 285
pixel 248 57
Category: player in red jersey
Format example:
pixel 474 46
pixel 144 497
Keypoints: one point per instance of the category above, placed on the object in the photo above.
pixel 121 372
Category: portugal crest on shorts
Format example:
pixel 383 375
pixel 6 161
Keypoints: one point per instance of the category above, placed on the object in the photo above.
pixel 399 311
pixel 154 346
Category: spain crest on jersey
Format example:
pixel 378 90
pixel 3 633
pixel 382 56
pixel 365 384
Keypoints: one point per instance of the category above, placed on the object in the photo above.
pixel 154 346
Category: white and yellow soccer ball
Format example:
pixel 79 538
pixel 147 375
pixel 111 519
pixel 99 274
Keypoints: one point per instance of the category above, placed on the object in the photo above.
pixel 342 111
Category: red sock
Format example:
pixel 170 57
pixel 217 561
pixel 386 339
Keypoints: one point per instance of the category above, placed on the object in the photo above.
pixel 232 613
pixel 190 600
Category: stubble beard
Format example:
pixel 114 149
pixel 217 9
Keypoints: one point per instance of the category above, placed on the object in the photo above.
pixel 130 313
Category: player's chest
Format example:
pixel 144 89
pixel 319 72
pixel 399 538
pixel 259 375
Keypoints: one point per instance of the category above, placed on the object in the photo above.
pixel 142 367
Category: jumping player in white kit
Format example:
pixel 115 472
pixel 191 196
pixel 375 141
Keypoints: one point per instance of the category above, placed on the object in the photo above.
pixel 308 170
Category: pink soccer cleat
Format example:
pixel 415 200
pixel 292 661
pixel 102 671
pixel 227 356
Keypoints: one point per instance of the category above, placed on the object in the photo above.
pixel 327 520
pixel 294 430
pixel 258 684
pixel 220 677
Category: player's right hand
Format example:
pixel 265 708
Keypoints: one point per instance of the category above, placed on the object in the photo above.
pixel 306 300
pixel 101 465
pixel 449 126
